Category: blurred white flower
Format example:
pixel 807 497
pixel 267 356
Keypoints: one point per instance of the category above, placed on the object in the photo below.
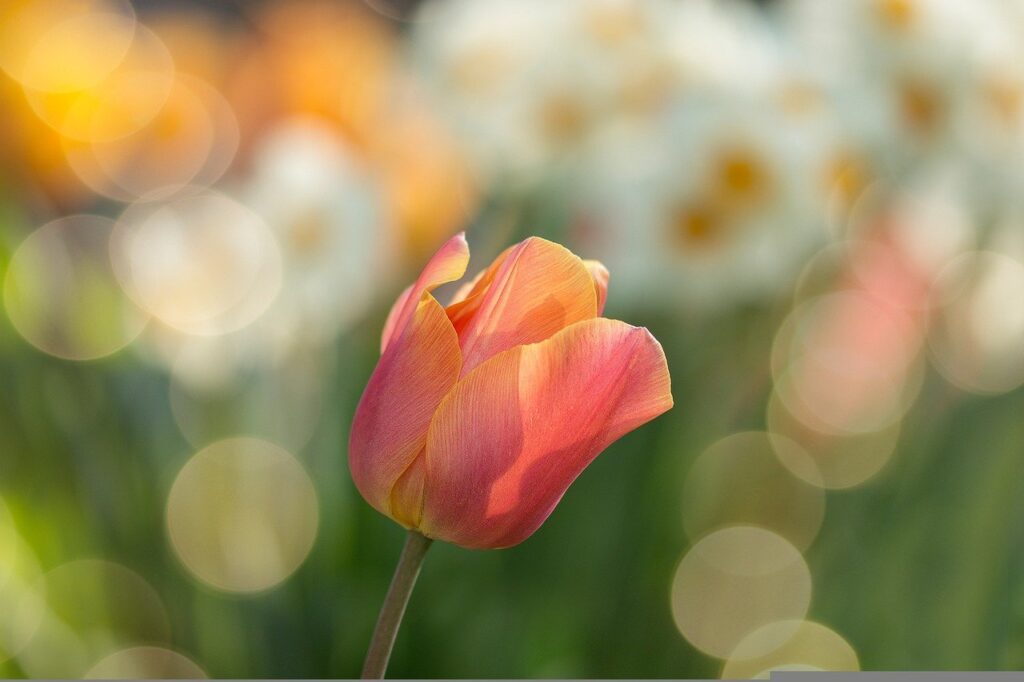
pixel 481 59
pixel 937 80
pixel 332 241
pixel 332 229
pixel 538 86
pixel 620 64
pixel 708 145
pixel 715 209
pixel 990 120
pixel 724 43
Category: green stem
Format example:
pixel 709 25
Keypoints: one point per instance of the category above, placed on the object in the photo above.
pixel 391 612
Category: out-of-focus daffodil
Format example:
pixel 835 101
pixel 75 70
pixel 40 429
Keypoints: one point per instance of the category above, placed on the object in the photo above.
pixel 325 212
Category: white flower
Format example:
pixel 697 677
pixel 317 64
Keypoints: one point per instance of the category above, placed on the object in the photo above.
pixel 718 208
pixel 939 80
pixel 544 86
pixel 481 56
pixel 719 196
pixel 333 233
pixel 331 243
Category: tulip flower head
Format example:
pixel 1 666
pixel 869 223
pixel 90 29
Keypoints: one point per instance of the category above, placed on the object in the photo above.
pixel 480 414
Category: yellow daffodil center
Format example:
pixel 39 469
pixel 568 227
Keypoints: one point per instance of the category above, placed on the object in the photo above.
pixel 696 226
pixel 646 88
pixel 920 106
pixel 897 14
pixel 563 118
pixel 613 23
pixel 740 177
pixel 798 98
pixel 308 234
pixel 1005 98
pixel 478 71
pixel 846 176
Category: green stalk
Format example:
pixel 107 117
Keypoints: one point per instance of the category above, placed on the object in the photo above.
pixel 393 609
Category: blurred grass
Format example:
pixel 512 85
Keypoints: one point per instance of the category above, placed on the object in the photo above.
pixel 919 568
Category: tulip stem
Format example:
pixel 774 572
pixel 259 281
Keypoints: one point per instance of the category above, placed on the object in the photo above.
pixel 397 599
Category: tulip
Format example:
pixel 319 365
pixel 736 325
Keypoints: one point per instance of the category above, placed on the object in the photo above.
pixel 480 414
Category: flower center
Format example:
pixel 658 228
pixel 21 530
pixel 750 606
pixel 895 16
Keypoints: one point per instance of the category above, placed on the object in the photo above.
pixel 563 118
pixel 846 177
pixel 696 225
pixel 308 234
pixel 646 88
pixel 478 71
pixel 741 177
pixel 614 23
pixel 897 14
pixel 1005 99
pixel 798 98
pixel 920 106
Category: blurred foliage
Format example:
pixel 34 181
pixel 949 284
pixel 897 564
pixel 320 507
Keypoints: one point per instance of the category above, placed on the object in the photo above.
pixel 353 156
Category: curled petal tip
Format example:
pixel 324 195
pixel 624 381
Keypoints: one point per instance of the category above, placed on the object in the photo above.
pixel 447 265
pixel 458 242
pixel 601 278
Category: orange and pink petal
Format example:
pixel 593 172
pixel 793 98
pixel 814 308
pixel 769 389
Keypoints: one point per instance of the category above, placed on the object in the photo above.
pixel 420 363
pixel 515 432
pixel 390 426
pixel 531 292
